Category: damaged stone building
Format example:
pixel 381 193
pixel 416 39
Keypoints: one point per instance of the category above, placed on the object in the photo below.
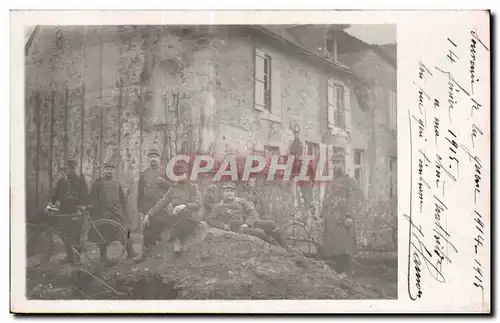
pixel 109 93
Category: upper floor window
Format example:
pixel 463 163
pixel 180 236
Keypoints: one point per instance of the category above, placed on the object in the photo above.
pixel 339 115
pixel 267 85
pixel 340 104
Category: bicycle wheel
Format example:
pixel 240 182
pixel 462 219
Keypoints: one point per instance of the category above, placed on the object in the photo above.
pixel 39 244
pixel 299 239
pixel 109 233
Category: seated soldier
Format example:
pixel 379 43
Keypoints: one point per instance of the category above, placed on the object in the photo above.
pixel 183 202
pixel 238 215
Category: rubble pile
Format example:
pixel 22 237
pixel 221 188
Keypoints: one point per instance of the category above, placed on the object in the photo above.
pixel 216 264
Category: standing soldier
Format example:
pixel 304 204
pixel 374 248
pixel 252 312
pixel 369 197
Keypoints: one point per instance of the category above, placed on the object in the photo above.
pixel 238 215
pixel 152 188
pixel 109 202
pixel 339 236
pixel 183 202
pixel 296 150
pixel 210 199
pixel 70 191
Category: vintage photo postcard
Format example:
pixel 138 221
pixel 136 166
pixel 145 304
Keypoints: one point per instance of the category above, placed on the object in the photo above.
pixel 250 162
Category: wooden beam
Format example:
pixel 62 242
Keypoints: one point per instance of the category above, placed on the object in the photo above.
pixel 101 108
pixel 66 108
pixel 37 157
pixel 82 128
pixel 119 144
pixel 141 128
pixel 51 145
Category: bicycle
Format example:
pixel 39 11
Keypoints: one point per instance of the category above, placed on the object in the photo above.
pixel 45 242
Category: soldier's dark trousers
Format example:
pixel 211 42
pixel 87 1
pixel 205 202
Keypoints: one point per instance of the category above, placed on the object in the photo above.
pixel 270 229
pixel 263 229
pixel 182 228
pixel 152 232
pixel 71 229
pixel 342 263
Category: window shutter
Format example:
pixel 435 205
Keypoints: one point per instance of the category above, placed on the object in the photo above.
pixel 330 103
pixel 275 87
pixel 347 108
pixel 259 80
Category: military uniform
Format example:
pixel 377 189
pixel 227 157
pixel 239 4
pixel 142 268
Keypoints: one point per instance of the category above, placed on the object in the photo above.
pixel 210 199
pixel 182 224
pixel 109 202
pixel 251 195
pixel 182 193
pixel 339 236
pixel 71 191
pixel 233 214
pixel 152 187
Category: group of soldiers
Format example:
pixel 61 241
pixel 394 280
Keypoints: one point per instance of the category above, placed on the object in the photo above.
pixel 171 206
pixel 106 199
pixel 174 207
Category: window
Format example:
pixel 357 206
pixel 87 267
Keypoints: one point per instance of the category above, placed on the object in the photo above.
pixel 392 110
pixel 393 173
pixel 312 149
pixel 267 85
pixel 358 167
pixel 339 112
pixel 338 158
pixel 338 105
pixel 267 82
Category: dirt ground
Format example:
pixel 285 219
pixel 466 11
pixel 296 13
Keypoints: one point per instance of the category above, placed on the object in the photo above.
pixel 213 265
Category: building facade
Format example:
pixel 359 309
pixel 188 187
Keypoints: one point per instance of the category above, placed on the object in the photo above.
pixel 376 154
pixel 110 93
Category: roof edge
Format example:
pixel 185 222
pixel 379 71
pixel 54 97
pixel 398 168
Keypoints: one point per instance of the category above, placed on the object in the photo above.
pixel 305 51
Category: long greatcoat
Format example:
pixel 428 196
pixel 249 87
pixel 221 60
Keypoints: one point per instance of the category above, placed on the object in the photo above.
pixel 152 189
pixel 339 205
pixel 108 202
pixel 71 191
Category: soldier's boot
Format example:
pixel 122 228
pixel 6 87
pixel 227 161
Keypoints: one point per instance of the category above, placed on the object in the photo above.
pixel 278 237
pixel 142 254
pixel 177 246
pixel 130 250
pixel 259 233
pixel 69 254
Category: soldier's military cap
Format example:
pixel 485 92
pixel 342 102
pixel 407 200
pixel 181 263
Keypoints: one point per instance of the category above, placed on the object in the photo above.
pixel 109 165
pixel 72 162
pixel 228 185
pixel 153 151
